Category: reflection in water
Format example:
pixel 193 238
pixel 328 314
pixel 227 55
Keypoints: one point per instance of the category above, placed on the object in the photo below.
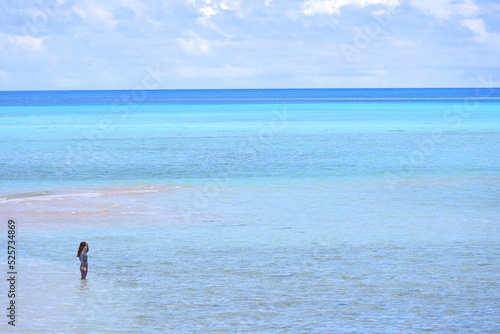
pixel 83 285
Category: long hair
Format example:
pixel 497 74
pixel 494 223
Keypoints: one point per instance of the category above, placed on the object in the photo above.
pixel 82 244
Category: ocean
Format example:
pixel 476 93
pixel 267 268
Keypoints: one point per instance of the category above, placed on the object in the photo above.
pixel 252 211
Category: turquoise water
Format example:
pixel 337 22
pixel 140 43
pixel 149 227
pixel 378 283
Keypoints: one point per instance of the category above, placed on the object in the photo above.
pixel 268 211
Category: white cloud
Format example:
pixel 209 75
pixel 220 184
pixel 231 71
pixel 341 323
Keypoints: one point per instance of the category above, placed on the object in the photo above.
pixel 137 6
pixel 482 35
pixel 259 43
pixel 27 43
pixel 208 11
pixel 466 10
pixel 379 12
pixel 312 7
pixel 445 9
pixel 213 7
pixel 477 26
pixel 94 12
pixel 193 44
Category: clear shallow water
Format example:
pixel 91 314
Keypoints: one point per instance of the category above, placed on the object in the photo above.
pixel 254 217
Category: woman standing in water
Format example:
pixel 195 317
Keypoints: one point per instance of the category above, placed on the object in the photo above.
pixel 82 254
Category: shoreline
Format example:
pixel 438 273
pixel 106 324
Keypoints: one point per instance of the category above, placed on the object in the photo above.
pixel 49 195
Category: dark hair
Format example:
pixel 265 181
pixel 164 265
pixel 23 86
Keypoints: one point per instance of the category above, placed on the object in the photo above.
pixel 82 244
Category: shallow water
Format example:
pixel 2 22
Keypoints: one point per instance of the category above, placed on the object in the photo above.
pixel 254 218
pixel 175 285
pixel 244 265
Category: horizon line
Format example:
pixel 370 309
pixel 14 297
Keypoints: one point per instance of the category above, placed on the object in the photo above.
pixel 212 89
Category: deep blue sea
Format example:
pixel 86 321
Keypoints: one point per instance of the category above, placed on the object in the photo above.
pixel 253 211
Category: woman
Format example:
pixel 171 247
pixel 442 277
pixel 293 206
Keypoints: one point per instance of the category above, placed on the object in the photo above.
pixel 82 254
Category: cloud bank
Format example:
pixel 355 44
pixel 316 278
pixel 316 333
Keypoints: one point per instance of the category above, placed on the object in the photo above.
pixel 90 44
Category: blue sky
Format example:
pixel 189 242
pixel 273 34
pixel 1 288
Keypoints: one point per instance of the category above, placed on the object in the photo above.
pixel 171 44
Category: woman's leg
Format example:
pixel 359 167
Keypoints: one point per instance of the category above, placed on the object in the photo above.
pixel 84 272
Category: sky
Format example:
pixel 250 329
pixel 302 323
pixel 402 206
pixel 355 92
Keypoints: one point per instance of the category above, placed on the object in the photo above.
pixel 205 44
